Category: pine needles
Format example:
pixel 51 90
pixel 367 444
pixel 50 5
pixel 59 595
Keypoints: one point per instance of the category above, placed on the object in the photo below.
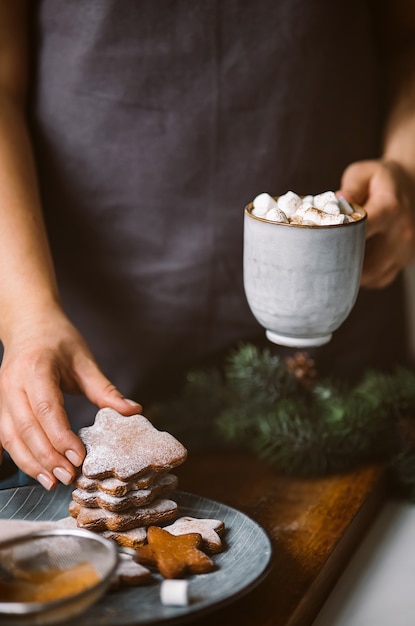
pixel 298 424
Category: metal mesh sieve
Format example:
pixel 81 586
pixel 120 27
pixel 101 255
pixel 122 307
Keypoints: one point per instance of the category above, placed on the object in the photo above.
pixel 51 550
pixel 59 549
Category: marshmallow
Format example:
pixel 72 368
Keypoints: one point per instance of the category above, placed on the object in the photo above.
pixel 333 220
pixel 320 218
pixel 299 221
pixel 324 198
pixel 345 207
pixel 276 215
pixel 313 216
pixel 306 204
pixel 262 203
pixel 302 209
pixel 289 203
pixel 332 208
pixel 324 209
pixel 174 592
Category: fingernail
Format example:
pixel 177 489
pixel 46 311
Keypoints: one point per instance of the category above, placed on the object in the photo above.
pixel 73 457
pixel 63 475
pixel 132 402
pixel 45 481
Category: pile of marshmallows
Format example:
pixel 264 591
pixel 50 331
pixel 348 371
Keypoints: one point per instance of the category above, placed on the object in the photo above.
pixel 324 209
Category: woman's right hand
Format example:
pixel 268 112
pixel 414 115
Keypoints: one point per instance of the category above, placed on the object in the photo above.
pixel 44 357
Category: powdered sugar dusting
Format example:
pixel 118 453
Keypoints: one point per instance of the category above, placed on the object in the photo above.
pixel 127 447
pixel 160 510
pixel 130 538
pixel 210 529
pixel 116 487
pixel 137 497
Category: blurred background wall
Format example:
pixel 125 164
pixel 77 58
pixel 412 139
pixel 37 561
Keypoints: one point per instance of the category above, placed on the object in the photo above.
pixel 410 283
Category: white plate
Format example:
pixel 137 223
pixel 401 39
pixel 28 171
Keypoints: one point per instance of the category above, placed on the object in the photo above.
pixel 242 564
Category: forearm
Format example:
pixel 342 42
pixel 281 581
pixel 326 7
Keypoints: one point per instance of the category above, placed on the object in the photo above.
pixel 27 280
pixel 386 186
pixel 399 136
pixel 395 21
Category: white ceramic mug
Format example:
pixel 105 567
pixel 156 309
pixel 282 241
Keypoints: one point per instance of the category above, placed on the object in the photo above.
pixel 301 282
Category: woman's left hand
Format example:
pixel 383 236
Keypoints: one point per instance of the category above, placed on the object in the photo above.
pixel 387 193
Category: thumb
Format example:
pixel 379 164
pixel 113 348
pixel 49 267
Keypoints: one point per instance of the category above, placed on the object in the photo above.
pixel 102 392
pixel 355 181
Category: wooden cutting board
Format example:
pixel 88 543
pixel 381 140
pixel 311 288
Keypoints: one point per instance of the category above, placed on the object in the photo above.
pixel 314 526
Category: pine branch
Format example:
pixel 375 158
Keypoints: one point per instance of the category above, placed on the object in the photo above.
pixel 260 402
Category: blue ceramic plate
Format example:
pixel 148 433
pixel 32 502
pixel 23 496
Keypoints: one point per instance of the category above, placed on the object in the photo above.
pixel 241 565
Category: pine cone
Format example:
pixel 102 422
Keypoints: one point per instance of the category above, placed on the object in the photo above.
pixel 303 368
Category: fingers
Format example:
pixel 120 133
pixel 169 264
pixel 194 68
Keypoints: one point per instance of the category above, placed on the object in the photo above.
pixel 380 267
pixel 38 437
pixel 374 186
pixel 355 181
pixel 27 462
pixel 380 281
pixel 34 427
pixel 45 402
pixel 38 365
pixel 384 191
pixel 100 391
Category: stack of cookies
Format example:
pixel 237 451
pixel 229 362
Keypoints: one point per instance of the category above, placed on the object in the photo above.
pixel 126 482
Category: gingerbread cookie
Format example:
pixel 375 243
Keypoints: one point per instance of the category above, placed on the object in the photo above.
pixel 129 572
pixel 114 486
pixel 127 447
pixel 98 519
pixel 174 556
pixel 135 498
pixel 125 538
pixel 209 529
pixel 132 538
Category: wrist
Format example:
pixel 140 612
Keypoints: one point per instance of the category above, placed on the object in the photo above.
pixel 29 317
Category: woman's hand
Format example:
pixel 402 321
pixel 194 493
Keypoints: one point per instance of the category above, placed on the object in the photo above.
pixel 43 358
pixel 387 193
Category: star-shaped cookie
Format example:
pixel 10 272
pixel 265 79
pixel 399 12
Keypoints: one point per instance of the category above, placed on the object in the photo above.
pixel 139 497
pixel 129 572
pixel 127 447
pixel 115 487
pixel 174 556
pixel 161 510
pixel 210 529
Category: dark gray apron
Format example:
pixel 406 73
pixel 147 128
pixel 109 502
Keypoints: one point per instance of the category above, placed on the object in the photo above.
pixel 155 122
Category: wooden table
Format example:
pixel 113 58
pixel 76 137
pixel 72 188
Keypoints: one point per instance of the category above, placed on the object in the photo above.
pixel 314 525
